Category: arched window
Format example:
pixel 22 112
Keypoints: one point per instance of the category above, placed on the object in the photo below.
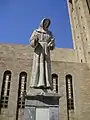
pixel 5 89
pixel 69 91
pixel 70 1
pixel 88 5
pixel 22 89
pixel 55 82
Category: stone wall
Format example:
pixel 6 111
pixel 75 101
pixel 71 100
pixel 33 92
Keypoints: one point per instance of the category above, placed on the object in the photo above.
pixel 18 58
pixel 23 52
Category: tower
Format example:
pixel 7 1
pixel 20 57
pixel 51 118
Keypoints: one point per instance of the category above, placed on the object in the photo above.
pixel 79 13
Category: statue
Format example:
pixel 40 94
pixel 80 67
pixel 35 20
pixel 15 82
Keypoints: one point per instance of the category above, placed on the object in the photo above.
pixel 42 41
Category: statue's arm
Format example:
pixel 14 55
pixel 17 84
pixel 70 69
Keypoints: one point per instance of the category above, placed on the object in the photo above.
pixel 34 39
pixel 51 44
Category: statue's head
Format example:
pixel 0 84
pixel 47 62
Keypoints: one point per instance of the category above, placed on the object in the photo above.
pixel 45 23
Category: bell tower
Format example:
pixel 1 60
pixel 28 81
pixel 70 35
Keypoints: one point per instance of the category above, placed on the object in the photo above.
pixel 79 13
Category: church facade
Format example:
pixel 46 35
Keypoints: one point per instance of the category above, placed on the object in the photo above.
pixel 70 71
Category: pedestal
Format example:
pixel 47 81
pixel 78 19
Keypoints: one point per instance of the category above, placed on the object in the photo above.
pixel 41 105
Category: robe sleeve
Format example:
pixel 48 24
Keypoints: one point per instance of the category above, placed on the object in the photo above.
pixel 34 39
pixel 52 42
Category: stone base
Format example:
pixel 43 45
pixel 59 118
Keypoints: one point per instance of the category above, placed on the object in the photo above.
pixel 42 92
pixel 39 97
pixel 39 103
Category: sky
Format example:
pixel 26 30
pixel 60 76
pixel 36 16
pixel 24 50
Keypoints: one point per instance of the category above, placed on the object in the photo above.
pixel 18 19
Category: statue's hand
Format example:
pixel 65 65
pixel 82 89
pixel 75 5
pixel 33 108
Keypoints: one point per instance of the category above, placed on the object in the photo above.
pixel 51 44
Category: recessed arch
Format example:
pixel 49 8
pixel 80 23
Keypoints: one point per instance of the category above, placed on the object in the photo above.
pixel 22 89
pixel 69 92
pixel 70 1
pixel 21 93
pixel 5 89
pixel 55 82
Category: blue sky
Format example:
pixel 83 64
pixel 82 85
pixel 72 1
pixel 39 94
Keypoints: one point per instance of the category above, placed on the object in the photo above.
pixel 18 18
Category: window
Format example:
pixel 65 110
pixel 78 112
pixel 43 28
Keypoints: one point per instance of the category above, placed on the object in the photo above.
pixel 5 89
pixel 70 5
pixel 55 82
pixel 79 8
pixel 81 60
pixel 69 91
pixel 83 27
pixel 70 1
pixel 88 5
pixel 22 89
pixel 81 17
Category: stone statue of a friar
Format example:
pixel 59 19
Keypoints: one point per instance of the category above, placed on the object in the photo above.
pixel 42 41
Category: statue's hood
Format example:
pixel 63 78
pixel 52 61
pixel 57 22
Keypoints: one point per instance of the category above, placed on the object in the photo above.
pixel 42 22
pixel 41 26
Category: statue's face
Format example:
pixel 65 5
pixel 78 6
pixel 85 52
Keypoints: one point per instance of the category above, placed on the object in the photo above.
pixel 46 23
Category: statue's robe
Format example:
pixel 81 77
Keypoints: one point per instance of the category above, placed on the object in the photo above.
pixel 41 68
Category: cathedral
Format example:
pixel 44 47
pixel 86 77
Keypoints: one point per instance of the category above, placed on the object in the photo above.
pixel 70 71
